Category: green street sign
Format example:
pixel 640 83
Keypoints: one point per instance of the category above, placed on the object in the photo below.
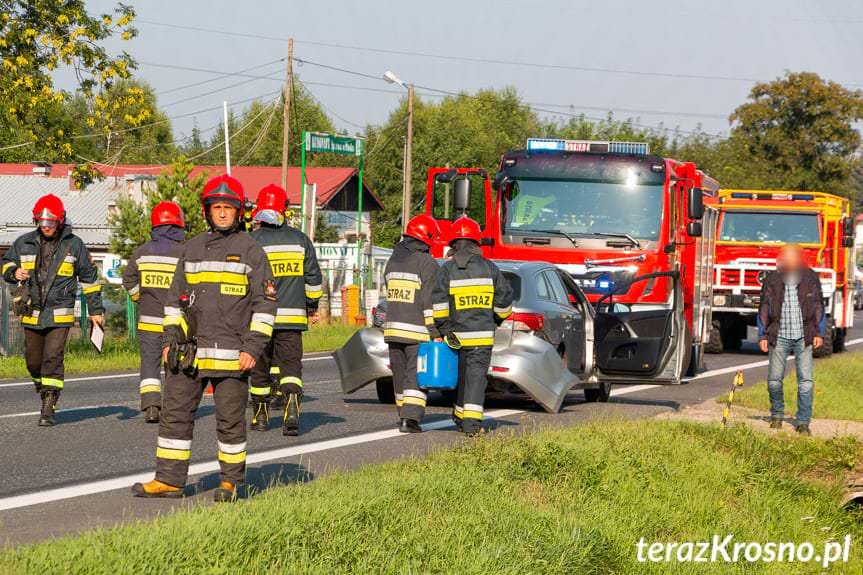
pixel 330 143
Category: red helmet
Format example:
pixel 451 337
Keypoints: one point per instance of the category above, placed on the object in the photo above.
pixel 424 228
pixel 464 228
pixel 223 188
pixel 166 214
pixel 49 207
pixel 272 197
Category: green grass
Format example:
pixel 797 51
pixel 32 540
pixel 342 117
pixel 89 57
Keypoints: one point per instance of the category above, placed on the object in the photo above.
pixel 118 354
pixel 838 389
pixel 572 501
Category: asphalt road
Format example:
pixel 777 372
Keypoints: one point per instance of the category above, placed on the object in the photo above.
pixel 77 475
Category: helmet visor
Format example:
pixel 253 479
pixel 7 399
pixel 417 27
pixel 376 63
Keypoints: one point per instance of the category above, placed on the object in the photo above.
pixel 47 223
pixel 271 217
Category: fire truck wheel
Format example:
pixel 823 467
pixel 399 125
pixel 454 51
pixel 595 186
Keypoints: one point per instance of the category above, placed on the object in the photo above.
pixel 386 391
pixel 714 343
pixel 826 349
pixel 598 394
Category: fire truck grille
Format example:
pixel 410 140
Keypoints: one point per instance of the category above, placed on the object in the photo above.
pixel 732 277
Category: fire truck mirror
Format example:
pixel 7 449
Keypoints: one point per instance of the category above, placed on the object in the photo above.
pixel 694 229
pixel 848 242
pixel 847 227
pixel 446 177
pixel 696 204
pixel 461 195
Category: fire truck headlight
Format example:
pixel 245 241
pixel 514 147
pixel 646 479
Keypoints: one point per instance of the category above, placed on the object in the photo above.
pixel 719 300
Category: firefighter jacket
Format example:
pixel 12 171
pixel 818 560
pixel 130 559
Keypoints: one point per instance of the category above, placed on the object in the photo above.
pixel 149 274
pixel 469 294
pixel 294 266
pixel 409 279
pixel 232 301
pixel 53 285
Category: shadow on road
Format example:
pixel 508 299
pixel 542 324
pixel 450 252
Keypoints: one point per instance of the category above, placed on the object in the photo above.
pixel 258 479
pixel 309 420
pixel 121 412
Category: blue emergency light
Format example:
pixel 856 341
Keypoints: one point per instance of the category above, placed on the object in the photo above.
pixel 603 284
pixel 561 145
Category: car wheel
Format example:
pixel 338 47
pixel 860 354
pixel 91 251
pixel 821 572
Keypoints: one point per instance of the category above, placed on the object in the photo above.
pixel 598 394
pixel 826 349
pixel 714 343
pixel 386 391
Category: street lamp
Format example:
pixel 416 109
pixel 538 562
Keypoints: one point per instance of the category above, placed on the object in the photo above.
pixel 391 78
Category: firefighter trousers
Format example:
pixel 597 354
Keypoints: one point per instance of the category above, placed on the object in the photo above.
pixel 283 357
pixel 473 363
pixel 177 422
pixel 151 368
pixel 43 352
pixel 410 400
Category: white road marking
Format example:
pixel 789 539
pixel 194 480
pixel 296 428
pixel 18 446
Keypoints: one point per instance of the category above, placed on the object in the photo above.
pixel 124 482
pixel 126 375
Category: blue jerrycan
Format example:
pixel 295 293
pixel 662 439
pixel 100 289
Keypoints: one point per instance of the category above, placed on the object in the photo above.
pixel 437 366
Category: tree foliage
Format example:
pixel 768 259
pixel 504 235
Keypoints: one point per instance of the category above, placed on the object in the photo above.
pixel 130 222
pixel 38 37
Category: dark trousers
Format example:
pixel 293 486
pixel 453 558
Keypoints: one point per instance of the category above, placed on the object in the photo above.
pixel 283 357
pixel 177 423
pixel 44 350
pixel 473 363
pixel 151 367
pixel 410 400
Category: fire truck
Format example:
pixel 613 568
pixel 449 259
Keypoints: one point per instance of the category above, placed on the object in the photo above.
pixel 753 226
pixel 632 228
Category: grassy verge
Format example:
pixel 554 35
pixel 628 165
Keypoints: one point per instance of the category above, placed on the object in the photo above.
pixel 838 389
pixel 118 354
pixel 568 501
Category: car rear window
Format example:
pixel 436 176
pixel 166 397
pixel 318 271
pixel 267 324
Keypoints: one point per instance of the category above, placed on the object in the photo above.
pixel 515 282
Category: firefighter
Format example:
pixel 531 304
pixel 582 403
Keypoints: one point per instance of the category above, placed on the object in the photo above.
pixel 219 316
pixel 147 278
pixel 409 280
pixel 294 265
pixel 471 297
pixel 51 261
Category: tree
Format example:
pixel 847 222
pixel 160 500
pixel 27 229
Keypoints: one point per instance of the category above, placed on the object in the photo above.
pixel 799 132
pixel 130 222
pixel 38 37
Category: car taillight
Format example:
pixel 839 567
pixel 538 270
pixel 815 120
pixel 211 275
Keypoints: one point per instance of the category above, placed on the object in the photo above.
pixel 520 321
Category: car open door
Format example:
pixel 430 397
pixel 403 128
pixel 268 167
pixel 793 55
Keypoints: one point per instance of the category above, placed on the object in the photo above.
pixel 636 345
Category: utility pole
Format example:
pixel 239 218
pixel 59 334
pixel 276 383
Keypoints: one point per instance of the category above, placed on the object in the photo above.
pixel 406 195
pixel 227 139
pixel 288 93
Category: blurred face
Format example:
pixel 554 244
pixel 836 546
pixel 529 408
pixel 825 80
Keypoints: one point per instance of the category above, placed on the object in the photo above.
pixel 223 215
pixel 790 259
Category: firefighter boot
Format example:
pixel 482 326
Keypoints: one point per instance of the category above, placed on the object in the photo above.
pixel 292 414
pixel 156 488
pixel 261 415
pixel 49 406
pixel 151 414
pixel 409 426
pixel 278 400
pixel 226 492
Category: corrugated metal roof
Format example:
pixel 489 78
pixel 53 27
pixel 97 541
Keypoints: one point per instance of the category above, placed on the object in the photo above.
pixel 91 237
pixel 89 207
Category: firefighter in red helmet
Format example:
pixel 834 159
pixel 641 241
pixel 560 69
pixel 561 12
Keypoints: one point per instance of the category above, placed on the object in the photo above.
pixel 471 296
pixel 219 316
pixel 409 278
pixel 299 288
pixel 147 277
pixel 50 263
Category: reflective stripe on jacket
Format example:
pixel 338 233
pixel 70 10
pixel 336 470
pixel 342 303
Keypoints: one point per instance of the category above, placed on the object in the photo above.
pixel 468 298
pixel 227 279
pixel 294 266
pixel 53 304
pixel 148 278
pixel 409 279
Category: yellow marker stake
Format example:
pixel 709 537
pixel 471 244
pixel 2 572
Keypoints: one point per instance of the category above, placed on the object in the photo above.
pixel 736 382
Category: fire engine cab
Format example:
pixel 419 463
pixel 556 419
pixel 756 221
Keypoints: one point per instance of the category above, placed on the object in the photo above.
pixel 632 228
pixel 753 226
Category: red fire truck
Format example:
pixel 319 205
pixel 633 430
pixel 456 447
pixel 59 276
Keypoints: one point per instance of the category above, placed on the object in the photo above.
pixel 631 227
pixel 753 226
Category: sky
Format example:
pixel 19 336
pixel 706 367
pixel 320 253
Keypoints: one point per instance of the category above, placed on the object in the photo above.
pixel 679 64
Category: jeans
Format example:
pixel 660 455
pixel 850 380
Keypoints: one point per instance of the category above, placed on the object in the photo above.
pixel 803 359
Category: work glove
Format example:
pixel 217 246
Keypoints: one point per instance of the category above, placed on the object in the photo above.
pixel 452 341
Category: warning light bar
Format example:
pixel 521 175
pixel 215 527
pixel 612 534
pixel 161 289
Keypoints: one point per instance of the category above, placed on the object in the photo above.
pixel 560 145
pixel 748 196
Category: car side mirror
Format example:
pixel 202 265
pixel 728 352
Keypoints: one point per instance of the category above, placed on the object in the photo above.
pixel 446 177
pixel 696 204
pixel 461 194
pixel 694 229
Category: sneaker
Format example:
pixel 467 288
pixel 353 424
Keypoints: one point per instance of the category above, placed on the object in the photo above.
pixel 775 423
pixel 803 429
pixel 155 489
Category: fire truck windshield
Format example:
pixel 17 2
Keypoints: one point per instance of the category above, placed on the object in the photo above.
pixel 767 227
pixel 581 208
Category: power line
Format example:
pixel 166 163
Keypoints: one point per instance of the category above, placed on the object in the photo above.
pixel 204 94
pixel 223 75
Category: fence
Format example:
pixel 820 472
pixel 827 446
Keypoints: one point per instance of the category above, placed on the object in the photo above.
pixel 11 332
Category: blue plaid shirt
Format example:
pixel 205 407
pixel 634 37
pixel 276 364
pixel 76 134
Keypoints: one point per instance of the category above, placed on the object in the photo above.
pixel 791 320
